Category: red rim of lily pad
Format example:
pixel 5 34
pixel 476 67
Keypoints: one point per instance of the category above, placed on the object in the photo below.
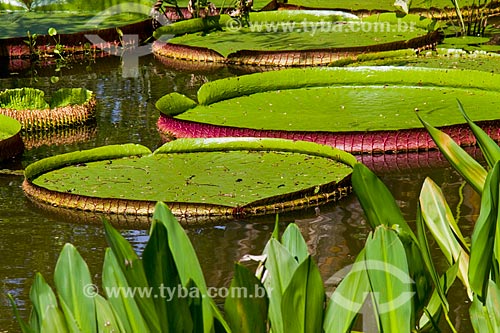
pixel 395 140
pixel 283 58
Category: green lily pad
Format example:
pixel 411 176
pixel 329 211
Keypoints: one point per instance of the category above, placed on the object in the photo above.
pixel 212 177
pixel 338 103
pixel 66 107
pixel 283 37
pixel 10 140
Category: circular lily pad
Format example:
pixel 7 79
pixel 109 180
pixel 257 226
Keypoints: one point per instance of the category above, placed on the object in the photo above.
pixel 66 107
pixel 11 143
pixel 364 109
pixel 292 38
pixel 201 178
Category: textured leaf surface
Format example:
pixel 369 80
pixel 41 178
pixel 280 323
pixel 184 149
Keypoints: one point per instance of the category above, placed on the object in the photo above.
pixel 391 285
pixel 303 299
pixel 230 178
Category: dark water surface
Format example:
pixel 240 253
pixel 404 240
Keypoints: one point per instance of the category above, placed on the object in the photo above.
pixel 30 239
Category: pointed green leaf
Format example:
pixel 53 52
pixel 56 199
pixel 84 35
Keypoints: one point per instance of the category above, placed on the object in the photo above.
pixel 483 236
pixel 303 299
pixel 49 315
pixel 162 275
pixel 348 299
pixel 377 201
pixel 133 270
pixel 24 327
pixel 107 322
pixel 280 266
pixel 435 304
pixel 391 285
pixel 469 168
pixel 486 318
pixel 293 241
pixel 121 295
pixel 71 322
pixel 187 264
pixel 246 307
pixel 276 230
pixel 438 217
pixel 71 277
pixel 489 147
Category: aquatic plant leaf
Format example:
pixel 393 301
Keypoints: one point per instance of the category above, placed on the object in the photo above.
pixel 46 311
pixel 303 299
pixel 188 266
pixel 489 147
pixel 107 321
pixel 161 272
pixel 293 30
pixel 436 306
pixel 439 219
pixel 348 298
pixel 429 263
pixel 71 277
pixel 192 26
pixel 378 204
pixel 8 127
pixel 174 104
pixel 70 96
pixel 390 281
pixel 219 183
pixel 132 269
pixel 53 321
pixel 483 236
pixel 469 168
pixel 96 154
pixel 280 266
pixel 118 292
pixel 485 317
pixel 23 99
pixel 294 242
pixel 25 328
pixel 246 307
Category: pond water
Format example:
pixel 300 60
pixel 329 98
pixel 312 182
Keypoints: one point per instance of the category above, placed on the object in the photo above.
pixel 30 239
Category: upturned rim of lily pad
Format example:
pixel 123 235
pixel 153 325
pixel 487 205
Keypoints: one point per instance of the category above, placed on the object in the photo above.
pixel 197 211
pixel 180 117
pixel 66 107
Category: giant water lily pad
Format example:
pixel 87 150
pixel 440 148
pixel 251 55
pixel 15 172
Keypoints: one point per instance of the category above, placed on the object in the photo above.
pixel 11 143
pixel 66 107
pixel 196 177
pixel 293 38
pixel 365 109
